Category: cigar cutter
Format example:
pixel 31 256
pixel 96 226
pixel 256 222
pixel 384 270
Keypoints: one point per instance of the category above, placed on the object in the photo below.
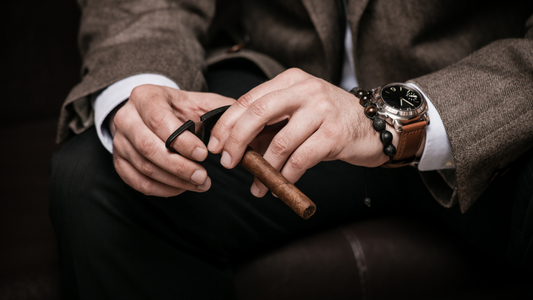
pixel 207 121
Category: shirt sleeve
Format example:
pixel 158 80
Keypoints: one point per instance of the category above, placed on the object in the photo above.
pixel 111 97
pixel 438 153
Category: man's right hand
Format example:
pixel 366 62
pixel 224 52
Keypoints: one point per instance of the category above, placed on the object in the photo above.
pixel 141 128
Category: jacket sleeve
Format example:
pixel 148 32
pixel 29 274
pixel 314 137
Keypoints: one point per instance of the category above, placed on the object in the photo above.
pixel 486 103
pixel 118 39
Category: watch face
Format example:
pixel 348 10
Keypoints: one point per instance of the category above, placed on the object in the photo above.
pixel 401 97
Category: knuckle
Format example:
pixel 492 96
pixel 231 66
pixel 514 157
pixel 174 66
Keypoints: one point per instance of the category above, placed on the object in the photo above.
pixel 146 167
pixel 139 92
pixel 145 186
pixel 156 119
pixel 117 146
pixel 315 86
pixel 147 148
pixel 117 162
pixel 233 140
pixel 325 106
pixel 279 146
pixel 259 108
pixel 143 91
pixel 297 161
pixel 294 73
pixel 178 167
pixel 245 100
pixel 120 117
pixel 145 96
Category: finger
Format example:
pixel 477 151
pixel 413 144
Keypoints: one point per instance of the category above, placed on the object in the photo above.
pixel 289 138
pixel 296 132
pixel 157 114
pixel 141 182
pixel 148 145
pixel 126 151
pixel 222 129
pixel 309 154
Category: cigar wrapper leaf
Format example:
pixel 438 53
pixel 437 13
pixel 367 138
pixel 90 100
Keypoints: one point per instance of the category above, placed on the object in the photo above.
pixel 278 184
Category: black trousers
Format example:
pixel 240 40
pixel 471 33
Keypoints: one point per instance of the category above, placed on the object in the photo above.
pixel 116 243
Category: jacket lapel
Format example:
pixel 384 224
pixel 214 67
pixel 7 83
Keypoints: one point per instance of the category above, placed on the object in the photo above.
pixel 328 19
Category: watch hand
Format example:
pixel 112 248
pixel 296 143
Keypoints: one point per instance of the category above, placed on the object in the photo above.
pixel 405 101
pixel 409 103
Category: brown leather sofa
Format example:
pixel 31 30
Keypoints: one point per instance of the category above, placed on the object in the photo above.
pixel 386 258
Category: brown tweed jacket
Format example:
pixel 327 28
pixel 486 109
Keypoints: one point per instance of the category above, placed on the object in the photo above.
pixel 474 59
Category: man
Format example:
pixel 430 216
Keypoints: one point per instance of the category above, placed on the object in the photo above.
pixel 471 62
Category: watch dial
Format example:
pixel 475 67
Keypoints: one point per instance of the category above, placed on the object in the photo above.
pixel 401 97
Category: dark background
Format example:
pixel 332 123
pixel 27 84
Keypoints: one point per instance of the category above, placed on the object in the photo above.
pixel 40 64
pixel 40 58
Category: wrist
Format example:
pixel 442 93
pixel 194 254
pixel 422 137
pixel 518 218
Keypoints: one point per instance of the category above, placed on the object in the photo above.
pixel 404 107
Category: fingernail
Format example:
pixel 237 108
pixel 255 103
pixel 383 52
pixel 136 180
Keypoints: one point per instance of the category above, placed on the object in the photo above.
pixel 199 154
pixel 199 176
pixel 226 159
pixel 207 184
pixel 213 144
pixel 255 190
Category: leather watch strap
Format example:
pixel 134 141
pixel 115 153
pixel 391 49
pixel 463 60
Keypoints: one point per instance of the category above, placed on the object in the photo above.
pixel 410 141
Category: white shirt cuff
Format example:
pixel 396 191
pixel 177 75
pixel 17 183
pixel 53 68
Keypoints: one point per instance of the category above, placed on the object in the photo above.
pixel 114 95
pixel 438 151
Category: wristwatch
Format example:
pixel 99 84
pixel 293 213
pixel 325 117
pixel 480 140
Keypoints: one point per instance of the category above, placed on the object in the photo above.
pixel 404 106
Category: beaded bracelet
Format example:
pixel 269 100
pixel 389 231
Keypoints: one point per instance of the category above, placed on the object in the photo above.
pixel 371 112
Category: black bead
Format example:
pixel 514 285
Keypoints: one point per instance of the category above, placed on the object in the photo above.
pixel 389 150
pixel 379 124
pixel 386 137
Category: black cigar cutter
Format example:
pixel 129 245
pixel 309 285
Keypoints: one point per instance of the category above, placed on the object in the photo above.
pixel 207 120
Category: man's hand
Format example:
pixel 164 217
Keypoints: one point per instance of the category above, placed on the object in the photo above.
pixel 141 128
pixel 324 123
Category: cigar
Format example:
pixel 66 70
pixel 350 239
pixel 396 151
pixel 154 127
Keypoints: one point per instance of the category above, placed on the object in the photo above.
pixel 278 184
